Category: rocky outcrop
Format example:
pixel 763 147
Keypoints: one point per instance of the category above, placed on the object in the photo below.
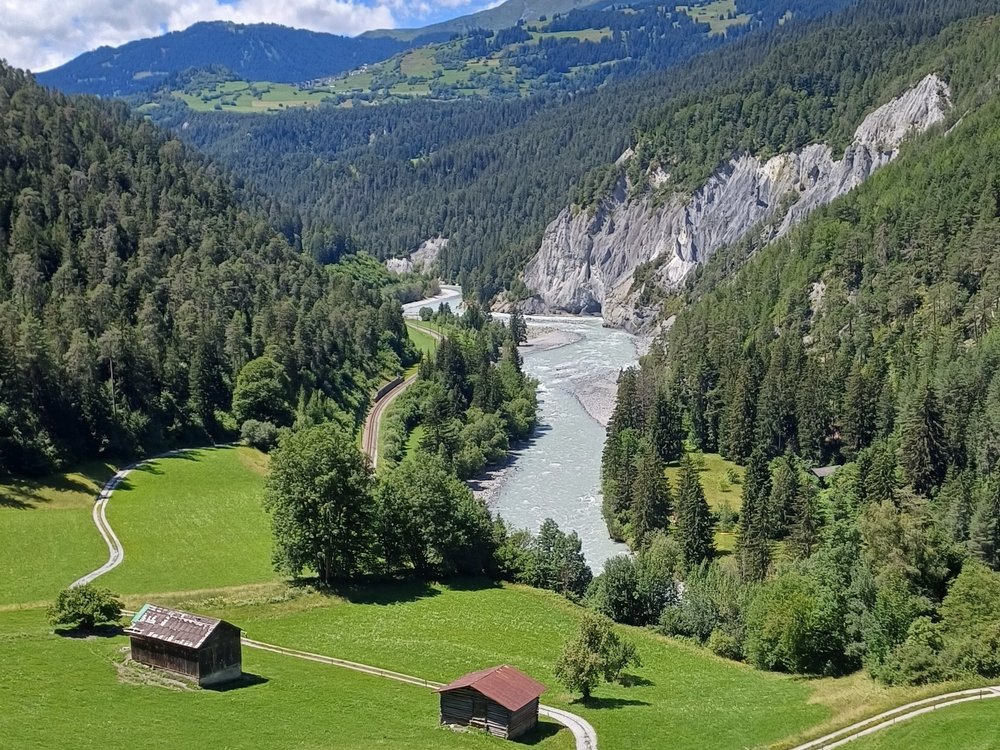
pixel 420 259
pixel 586 261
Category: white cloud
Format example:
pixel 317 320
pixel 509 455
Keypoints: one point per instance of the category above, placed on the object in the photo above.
pixel 41 34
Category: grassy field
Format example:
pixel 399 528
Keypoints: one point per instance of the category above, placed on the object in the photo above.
pixel 425 343
pixel 193 521
pixel 969 726
pixel 439 632
pixel 716 14
pixel 49 538
pixel 718 489
pixel 72 693
pixel 256 97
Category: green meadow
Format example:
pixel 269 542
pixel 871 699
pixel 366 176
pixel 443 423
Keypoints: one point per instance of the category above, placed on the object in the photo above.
pixel 969 726
pixel 192 521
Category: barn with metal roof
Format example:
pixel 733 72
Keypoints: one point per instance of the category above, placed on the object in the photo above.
pixel 201 648
pixel 501 700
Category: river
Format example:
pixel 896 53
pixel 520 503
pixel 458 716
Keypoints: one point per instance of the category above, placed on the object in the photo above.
pixel 558 474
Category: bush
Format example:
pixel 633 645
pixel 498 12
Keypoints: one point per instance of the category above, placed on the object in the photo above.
pixel 725 645
pixel 260 435
pixel 85 607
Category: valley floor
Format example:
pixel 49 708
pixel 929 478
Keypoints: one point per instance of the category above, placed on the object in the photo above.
pixel 195 536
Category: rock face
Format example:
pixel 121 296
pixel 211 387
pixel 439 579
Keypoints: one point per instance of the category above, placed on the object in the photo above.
pixel 420 259
pixel 586 261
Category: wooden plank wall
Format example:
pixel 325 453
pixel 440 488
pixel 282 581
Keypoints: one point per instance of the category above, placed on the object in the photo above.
pixel 457 708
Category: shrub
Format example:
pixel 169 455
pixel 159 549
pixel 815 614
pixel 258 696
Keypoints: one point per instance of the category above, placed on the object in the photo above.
pixel 260 435
pixel 725 645
pixel 85 607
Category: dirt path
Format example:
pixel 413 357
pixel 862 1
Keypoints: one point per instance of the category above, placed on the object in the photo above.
pixel 373 422
pixel 896 715
pixel 583 732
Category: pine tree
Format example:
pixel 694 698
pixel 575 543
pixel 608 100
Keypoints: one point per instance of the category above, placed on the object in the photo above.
pixel 628 413
pixel 753 549
pixel 650 509
pixel 694 528
pixel 812 413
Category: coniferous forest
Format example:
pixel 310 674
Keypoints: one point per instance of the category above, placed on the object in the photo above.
pixel 135 288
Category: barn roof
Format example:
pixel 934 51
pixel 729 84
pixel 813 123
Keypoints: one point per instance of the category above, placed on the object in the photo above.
pixel 173 626
pixel 825 471
pixel 504 685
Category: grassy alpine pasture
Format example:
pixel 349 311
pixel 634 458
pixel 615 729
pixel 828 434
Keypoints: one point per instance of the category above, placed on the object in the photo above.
pixel 969 726
pixel 79 693
pixel 192 521
pixel 48 536
pixel 440 632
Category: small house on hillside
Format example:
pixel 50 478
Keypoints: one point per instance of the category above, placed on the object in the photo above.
pixel 202 648
pixel 823 473
pixel 500 699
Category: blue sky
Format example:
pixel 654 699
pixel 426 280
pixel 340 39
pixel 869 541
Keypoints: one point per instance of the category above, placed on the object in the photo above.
pixel 42 34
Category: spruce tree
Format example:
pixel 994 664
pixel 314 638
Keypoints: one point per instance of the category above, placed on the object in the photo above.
pixel 694 527
pixel 753 549
pixel 518 328
pixel 737 430
pixel 923 443
pixel 804 534
pixel 984 528
pixel 784 495
pixel 650 508
pixel 666 428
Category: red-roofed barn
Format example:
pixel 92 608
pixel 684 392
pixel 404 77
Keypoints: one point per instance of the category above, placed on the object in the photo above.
pixel 499 699
pixel 202 648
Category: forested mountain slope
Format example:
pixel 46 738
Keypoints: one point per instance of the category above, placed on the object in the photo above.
pixel 134 288
pixel 256 52
pixel 490 175
pixel 868 338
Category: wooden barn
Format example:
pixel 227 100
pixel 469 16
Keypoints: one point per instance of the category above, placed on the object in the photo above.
pixel 202 648
pixel 501 700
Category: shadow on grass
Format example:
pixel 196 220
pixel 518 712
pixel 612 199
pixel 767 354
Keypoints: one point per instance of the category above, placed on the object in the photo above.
pixel 381 592
pixel 610 703
pixel 25 494
pixel 634 680
pixel 542 731
pixel 100 631
pixel 245 680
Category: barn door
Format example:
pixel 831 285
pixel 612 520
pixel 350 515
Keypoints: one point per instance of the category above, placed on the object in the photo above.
pixel 479 709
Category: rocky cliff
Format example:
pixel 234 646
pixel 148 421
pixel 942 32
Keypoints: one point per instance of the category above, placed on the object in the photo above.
pixel 585 262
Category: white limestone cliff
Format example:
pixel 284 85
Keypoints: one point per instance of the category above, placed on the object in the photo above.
pixel 586 260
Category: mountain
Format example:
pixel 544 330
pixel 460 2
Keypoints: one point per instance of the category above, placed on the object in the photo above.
pixel 135 287
pixel 492 175
pixel 503 16
pixel 258 52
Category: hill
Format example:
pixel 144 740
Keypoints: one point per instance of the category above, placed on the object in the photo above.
pixel 135 284
pixel 503 16
pixel 254 52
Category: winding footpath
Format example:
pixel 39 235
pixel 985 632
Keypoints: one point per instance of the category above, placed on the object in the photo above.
pixel 373 422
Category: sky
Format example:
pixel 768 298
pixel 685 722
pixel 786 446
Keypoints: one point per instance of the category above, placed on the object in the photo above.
pixel 42 34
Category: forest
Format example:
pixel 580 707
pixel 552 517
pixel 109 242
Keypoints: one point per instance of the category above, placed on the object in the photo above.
pixel 137 287
pixel 864 345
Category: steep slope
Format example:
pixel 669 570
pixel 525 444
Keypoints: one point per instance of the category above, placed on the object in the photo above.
pixel 134 288
pixel 586 261
pixel 257 52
